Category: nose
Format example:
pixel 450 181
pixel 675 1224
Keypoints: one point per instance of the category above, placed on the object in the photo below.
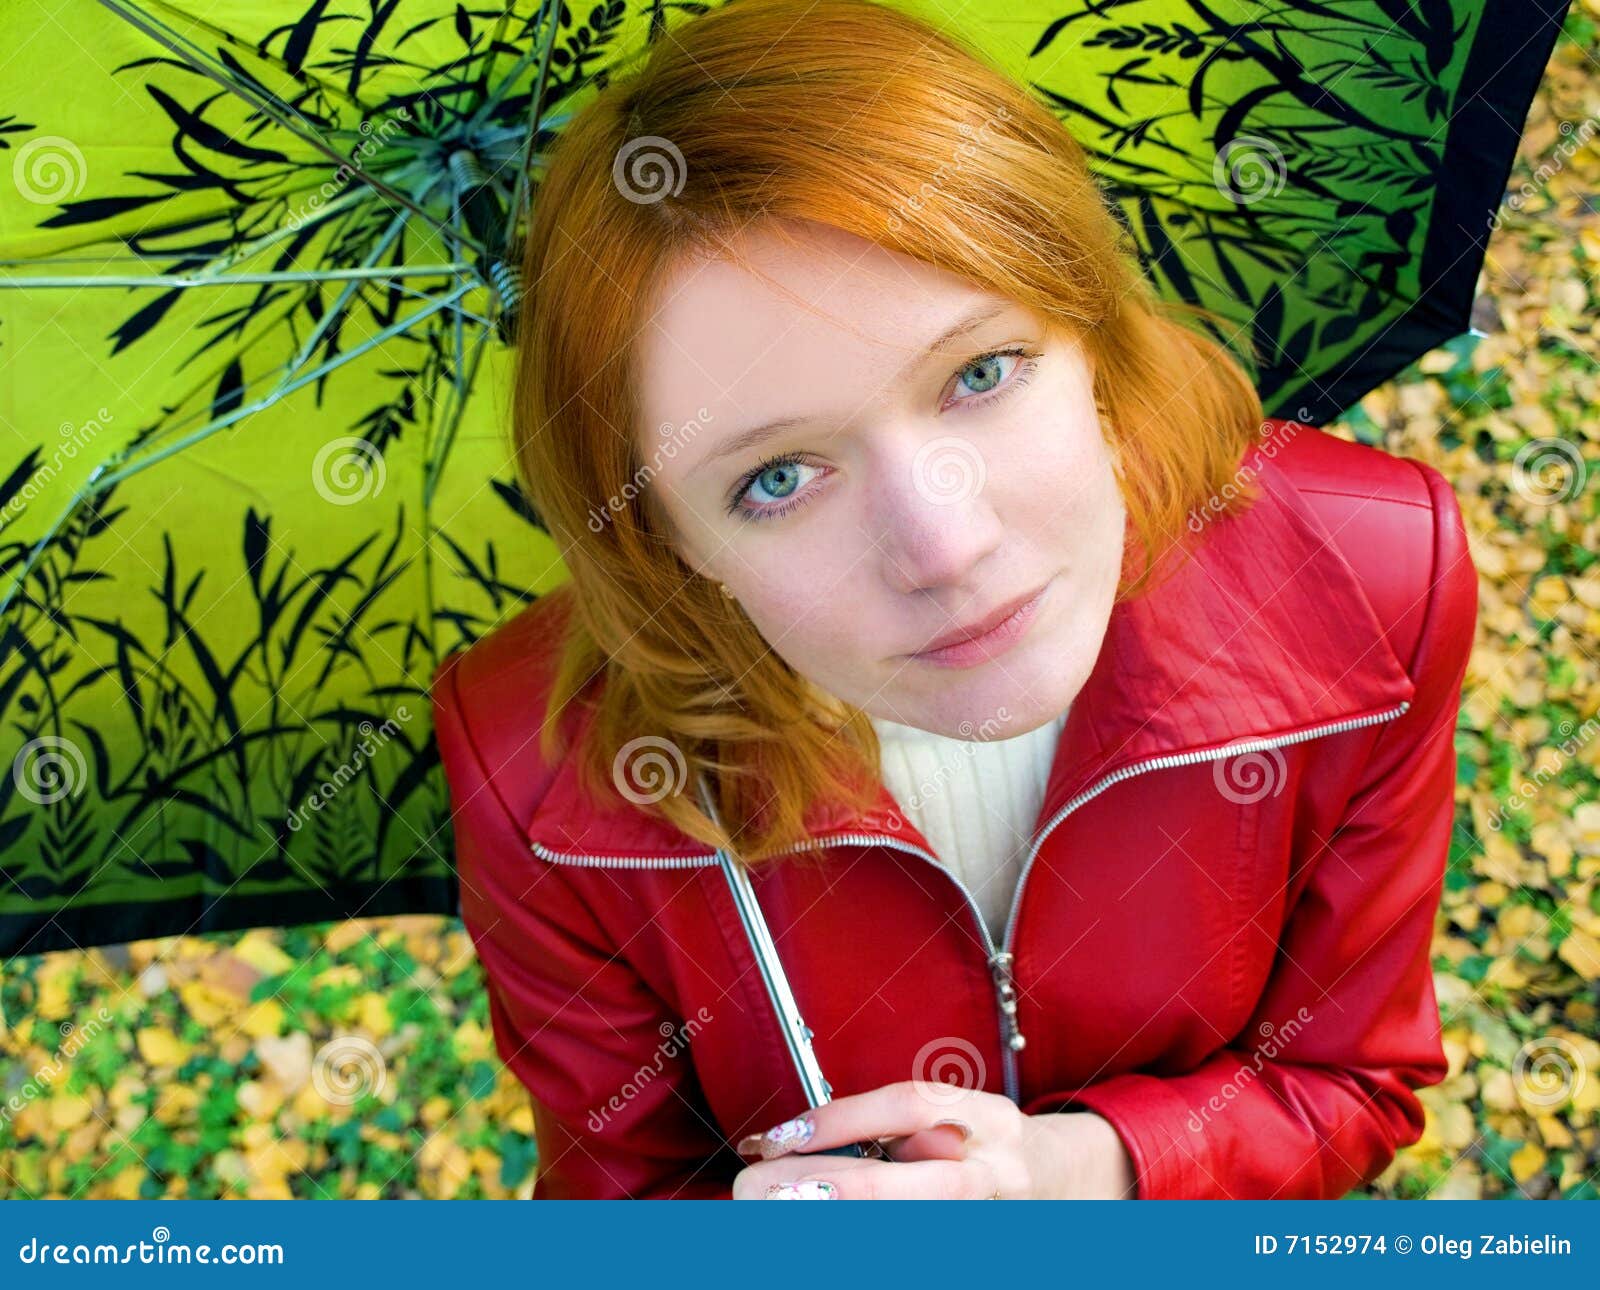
pixel 933 515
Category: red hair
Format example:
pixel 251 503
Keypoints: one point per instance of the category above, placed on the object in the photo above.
pixel 778 108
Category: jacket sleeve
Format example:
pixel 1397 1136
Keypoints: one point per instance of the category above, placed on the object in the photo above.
pixel 617 1110
pixel 1317 1093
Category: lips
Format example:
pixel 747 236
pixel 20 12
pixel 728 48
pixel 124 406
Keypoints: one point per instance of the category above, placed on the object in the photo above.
pixel 986 623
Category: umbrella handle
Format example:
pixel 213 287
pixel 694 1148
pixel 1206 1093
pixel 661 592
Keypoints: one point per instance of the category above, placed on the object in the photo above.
pixel 797 1034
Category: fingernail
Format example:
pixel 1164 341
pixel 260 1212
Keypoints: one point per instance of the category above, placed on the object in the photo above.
pixel 805 1189
pixel 966 1129
pixel 779 1140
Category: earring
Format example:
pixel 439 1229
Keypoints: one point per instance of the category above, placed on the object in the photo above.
pixel 726 592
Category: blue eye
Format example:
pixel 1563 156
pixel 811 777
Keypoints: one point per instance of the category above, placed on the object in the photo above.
pixel 778 478
pixel 989 372
pixel 986 376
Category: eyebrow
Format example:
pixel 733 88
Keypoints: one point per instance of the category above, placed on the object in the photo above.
pixel 747 439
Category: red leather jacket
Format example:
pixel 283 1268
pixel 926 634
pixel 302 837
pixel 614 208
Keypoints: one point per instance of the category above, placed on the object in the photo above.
pixel 1220 942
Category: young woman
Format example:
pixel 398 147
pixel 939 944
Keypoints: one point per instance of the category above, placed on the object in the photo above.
pixel 1087 737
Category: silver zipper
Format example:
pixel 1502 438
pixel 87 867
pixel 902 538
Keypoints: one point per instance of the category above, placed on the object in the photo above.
pixel 623 862
pixel 1015 1037
pixel 1000 958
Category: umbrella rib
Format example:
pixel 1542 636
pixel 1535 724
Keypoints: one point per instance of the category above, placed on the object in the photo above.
pixel 349 289
pixel 287 387
pixel 435 465
pixel 376 273
pixel 103 477
pixel 202 62
pixel 523 191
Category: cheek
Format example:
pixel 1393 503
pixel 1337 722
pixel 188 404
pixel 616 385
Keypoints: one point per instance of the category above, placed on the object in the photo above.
pixel 805 619
pixel 1063 492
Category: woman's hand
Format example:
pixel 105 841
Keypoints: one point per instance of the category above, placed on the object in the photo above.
pixel 942 1142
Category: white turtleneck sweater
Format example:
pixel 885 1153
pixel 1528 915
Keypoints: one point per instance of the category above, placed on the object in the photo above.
pixel 974 800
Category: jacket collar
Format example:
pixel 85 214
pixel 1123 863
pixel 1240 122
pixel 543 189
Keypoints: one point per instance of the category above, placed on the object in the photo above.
pixel 1260 630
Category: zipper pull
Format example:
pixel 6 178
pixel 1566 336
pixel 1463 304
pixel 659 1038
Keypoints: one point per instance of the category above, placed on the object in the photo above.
pixel 1005 992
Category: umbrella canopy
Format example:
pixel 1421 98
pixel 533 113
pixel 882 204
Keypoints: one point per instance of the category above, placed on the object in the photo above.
pixel 256 311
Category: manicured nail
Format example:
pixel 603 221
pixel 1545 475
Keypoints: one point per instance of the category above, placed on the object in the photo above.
pixel 966 1129
pixel 779 1140
pixel 805 1189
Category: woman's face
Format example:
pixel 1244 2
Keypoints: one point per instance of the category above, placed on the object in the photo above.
pixel 907 493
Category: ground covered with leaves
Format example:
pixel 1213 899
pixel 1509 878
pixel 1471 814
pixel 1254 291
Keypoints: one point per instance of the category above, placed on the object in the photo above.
pixel 355 1059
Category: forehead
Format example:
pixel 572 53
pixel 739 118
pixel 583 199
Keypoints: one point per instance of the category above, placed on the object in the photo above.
pixel 813 326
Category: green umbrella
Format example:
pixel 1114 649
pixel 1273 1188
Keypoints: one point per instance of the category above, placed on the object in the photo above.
pixel 257 311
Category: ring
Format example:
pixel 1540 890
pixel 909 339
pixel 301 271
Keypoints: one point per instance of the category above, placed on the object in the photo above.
pixel 996 1195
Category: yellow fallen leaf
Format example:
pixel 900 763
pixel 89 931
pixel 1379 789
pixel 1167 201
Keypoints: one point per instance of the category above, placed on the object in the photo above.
pixel 262 1019
pixel 1581 952
pixel 54 1001
pixel 160 1047
pixel 372 1014
pixel 207 1004
pixel 68 1111
pixel 472 1042
pixel 1554 1133
pixel 1526 1161
pixel 258 951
